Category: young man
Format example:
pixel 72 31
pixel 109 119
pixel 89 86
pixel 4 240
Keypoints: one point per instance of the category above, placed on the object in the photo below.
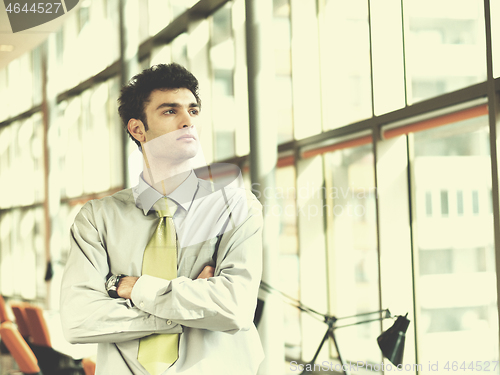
pixel 198 319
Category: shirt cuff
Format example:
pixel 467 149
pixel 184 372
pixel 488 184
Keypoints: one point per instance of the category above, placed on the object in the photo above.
pixel 145 291
pixel 143 296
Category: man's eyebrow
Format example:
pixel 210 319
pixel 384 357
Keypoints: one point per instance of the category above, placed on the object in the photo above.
pixel 176 105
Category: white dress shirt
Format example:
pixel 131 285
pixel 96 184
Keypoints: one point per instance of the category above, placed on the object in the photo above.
pixel 214 316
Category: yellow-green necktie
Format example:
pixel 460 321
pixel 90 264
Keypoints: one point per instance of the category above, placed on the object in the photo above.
pixel 159 351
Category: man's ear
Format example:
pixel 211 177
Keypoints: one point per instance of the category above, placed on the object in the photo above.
pixel 136 128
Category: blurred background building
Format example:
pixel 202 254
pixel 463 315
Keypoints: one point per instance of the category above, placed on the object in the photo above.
pixel 385 187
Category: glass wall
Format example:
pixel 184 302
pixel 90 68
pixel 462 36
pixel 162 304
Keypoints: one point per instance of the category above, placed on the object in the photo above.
pixel 283 69
pixel 352 247
pixel 406 222
pixel 444 46
pixel 222 58
pixel 454 249
pixel 286 209
pixel 345 62
pixel 84 51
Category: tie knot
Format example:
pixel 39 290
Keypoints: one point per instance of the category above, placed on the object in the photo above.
pixel 165 207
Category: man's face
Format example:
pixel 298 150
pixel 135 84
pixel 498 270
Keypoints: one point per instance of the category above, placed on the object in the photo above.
pixel 172 116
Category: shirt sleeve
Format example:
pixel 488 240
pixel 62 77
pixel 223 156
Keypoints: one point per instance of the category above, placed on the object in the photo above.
pixel 225 302
pixel 88 314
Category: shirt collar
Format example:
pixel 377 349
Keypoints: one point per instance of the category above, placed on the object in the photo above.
pixel 146 196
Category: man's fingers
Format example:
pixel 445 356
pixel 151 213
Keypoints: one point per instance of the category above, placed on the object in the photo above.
pixel 207 272
pixel 210 270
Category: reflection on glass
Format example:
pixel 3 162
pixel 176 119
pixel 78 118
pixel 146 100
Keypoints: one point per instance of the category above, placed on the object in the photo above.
pixel 179 6
pixel 179 50
pixel 345 62
pixel 22 261
pixel 4 93
pixel 457 316
pixel 21 150
pixel 283 69
pixel 352 248
pixel 159 15
pixel 70 149
pixel 289 256
pixel 445 46
pixel 20 85
pixel 222 56
pixel 6 287
pixel 81 31
pixel 495 36
pixel 387 56
pixel 86 142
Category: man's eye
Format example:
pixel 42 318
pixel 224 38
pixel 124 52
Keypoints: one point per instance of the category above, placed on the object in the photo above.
pixel 194 111
pixel 169 112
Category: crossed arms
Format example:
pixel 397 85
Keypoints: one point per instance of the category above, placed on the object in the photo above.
pixel 220 299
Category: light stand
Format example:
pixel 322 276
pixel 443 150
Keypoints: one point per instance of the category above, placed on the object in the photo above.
pixel 330 332
pixel 391 341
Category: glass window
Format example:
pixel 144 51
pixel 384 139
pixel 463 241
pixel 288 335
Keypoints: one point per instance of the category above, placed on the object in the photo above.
pixel 495 35
pixel 161 54
pixel 6 246
pixel 242 133
pixel 83 31
pixel 180 6
pixel 289 256
pixel 222 57
pixel 36 56
pixel 387 56
pixel 4 93
pixel 89 141
pixel 179 50
pixel 160 15
pixel 116 135
pixel 23 269
pixel 444 46
pixel 20 85
pixel 21 148
pixel 352 248
pixel 69 148
pixel 305 69
pixel 282 36
pixel 311 222
pixel 6 163
pixel 455 278
pixel 345 62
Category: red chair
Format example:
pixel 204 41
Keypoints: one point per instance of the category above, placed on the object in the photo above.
pixel 51 362
pixel 22 353
pixel 4 317
pixel 19 310
pixel 37 326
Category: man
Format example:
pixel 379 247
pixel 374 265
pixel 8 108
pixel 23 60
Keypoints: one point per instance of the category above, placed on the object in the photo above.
pixel 112 293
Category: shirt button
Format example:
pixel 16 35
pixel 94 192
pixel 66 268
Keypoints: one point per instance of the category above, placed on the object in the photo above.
pixel 169 322
pixel 141 304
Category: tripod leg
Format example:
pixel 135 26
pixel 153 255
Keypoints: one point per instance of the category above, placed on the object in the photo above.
pixel 325 337
pixel 344 367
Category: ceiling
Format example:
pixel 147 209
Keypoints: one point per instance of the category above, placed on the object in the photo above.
pixel 26 40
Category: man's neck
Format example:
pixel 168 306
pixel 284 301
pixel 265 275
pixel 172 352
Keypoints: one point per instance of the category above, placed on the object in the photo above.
pixel 169 180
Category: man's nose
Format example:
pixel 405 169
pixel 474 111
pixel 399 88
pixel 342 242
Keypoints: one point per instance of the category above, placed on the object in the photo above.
pixel 187 120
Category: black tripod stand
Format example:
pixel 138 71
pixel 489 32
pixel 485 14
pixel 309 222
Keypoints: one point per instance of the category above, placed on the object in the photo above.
pixel 330 332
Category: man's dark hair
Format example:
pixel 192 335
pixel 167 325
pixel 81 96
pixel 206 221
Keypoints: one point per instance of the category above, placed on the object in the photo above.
pixel 135 95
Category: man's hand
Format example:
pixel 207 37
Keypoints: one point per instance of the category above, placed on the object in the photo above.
pixel 125 286
pixel 207 272
pixel 127 283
